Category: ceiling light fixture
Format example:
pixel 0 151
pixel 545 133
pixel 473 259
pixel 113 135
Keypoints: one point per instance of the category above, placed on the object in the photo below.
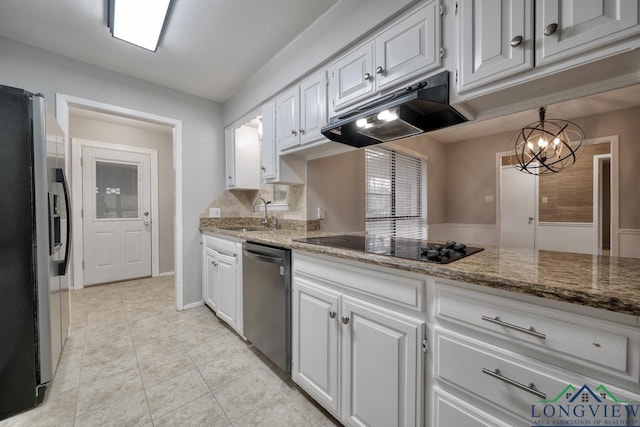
pixel 546 146
pixel 140 22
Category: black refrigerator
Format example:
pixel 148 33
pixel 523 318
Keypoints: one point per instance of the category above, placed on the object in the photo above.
pixel 35 246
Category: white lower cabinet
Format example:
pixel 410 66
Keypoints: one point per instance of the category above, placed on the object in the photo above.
pixel 222 279
pixel 382 366
pixel 448 410
pixel 362 361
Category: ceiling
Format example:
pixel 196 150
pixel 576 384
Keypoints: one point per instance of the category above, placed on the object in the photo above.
pixel 209 49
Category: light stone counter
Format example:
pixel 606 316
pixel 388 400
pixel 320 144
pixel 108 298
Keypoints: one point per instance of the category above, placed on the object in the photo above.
pixel 596 281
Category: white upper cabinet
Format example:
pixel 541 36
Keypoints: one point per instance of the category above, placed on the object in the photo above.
pixel 288 119
pixel 407 49
pixel 242 156
pixel 495 40
pixel 411 45
pixel 301 112
pixel 269 154
pixel 351 78
pixel 313 108
pixel 569 27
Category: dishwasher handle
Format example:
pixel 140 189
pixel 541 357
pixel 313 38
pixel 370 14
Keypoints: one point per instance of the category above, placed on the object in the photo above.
pixel 265 258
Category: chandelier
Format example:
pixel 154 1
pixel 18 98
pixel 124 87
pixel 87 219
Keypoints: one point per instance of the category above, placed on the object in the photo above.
pixel 547 146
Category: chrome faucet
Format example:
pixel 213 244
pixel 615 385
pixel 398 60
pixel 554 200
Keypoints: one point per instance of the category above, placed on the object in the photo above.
pixel 264 221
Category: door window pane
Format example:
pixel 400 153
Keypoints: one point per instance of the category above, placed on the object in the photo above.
pixel 116 190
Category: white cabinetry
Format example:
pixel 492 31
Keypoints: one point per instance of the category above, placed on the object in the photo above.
pixel 275 168
pixel 301 112
pixel 222 277
pixel 501 356
pixel 570 27
pixel 408 48
pixel 495 40
pixel 362 360
pixel 242 155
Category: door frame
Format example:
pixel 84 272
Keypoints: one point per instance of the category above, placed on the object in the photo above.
pixel 63 102
pixel 77 144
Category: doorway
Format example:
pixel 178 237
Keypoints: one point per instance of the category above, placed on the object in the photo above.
pixel 117 212
pixel 602 204
pixel 63 105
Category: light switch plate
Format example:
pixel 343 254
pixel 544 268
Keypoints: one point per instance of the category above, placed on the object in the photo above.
pixel 321 213
pixel 214 212
pixel 489 198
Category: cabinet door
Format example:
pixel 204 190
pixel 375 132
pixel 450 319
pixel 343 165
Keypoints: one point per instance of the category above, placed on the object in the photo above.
pixel 382 366
pixel 351 78
pixel 229 156
pixel 269 154
pixel 410 46
pixel 226 272
pixel 288 119
pixel 315 342
pixel 495 40
pixel 313 108
pixel 581 26
pixel 211 280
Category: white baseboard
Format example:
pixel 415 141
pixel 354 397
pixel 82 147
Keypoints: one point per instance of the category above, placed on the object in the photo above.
pixel 566 237
pixel 192 305
pixel 629 242
pixel 168 273
pixel 474 234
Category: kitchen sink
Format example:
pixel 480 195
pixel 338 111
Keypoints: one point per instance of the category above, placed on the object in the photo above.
pixel 243 228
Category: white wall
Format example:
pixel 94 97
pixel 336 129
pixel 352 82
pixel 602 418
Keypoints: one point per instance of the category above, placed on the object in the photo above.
pixel 203 148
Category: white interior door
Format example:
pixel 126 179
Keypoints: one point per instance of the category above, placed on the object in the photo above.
pixel 116 206
pixel 518 195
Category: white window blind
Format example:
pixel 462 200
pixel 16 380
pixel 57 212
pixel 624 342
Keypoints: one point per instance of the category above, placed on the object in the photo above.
pixel 395 193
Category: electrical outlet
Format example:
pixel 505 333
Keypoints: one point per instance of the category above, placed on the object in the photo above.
pixel 321 213
pixel 545 199
pixel 214 212
pixel 489 198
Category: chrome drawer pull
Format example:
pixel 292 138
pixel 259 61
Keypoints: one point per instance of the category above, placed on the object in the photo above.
pixel 529 331
pixel 531 388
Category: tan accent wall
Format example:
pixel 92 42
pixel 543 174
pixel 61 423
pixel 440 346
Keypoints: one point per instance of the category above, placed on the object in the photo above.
pixel 337 183
pixel 96 130
pixel 569 193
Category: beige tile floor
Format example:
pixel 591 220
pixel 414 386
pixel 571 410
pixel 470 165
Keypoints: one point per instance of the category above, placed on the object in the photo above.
pixel 133 360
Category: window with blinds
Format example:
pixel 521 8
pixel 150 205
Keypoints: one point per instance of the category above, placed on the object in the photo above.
pixel 395 193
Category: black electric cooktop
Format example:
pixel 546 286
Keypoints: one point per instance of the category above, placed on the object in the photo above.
pixel 414 249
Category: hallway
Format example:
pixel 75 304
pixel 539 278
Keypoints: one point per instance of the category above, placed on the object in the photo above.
pixel 133 360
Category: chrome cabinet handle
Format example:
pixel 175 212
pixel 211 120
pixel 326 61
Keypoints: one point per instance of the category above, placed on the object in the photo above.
pixel 379 69
pixel 345 319
pixel 301 131
pixel 367 76
pixel 529 331
pixel 294 132
pixel 531 388
pixel 332 314
pixel 516 41
pixel 550 29
pixel 215 264
pixel 264 169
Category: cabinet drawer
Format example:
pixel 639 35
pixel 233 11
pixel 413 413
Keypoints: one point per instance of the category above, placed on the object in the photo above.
pixel 221 245
pixel 576 339
pixel 515 384
pixel 449 410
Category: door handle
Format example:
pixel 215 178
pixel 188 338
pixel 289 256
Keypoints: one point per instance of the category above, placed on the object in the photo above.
pixel 530 220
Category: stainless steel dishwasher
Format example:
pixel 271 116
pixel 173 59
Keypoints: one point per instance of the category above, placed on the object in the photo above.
pixel 266 297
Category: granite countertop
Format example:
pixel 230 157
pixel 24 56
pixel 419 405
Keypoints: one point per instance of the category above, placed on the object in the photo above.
pixel 608 283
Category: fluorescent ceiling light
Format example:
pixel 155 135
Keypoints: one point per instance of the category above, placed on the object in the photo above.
pixel 139 22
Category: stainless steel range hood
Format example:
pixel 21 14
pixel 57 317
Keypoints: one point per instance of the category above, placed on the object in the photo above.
pixel 419 108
